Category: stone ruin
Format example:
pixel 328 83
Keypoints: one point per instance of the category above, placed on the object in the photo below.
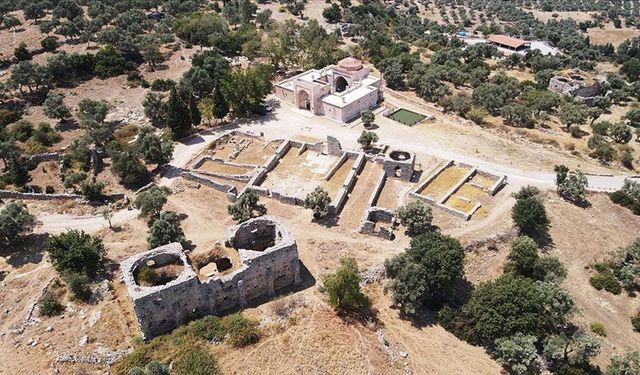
pixel 399 164
pixel 373 220
pixel 268 261
pixel 577 86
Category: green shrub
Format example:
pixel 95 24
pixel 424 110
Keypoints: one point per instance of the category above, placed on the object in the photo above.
pixel 607 281
pixel 635 322
pixel 343 287
pixel 198 362
pixel 75 251
pixel 22 130
pixel 162 85
pixel 242 331
pixel 49 305
pixel 598 328
pixel 208 328
pixel 78 285
pixel 146 276
pixel 92 190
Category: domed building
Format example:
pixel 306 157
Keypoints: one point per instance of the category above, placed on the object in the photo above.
pixel 340 91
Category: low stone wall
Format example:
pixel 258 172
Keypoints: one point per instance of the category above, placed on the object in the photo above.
pixel 343 159
pixel 431 177
pixel 502 181
pixel 7 194
pixel 375 194
pixel 458 184
pixel 229 189
pixel 48 156
pixel 37 196
pixel 349 182
pixel 373 215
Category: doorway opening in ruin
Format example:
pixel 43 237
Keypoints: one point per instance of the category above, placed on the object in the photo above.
pixel 398 172
pixel 341 84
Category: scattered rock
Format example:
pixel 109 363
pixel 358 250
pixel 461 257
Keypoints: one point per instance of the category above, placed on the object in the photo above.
pixel 83 340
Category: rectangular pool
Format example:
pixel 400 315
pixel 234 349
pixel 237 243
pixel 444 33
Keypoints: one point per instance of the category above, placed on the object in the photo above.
pixel 407 117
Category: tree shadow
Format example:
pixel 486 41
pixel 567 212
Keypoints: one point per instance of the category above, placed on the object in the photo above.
pixel 65 126
pixel 328 221
pixel 30 250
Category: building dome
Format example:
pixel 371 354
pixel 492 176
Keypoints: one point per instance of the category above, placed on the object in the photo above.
pixel 350 64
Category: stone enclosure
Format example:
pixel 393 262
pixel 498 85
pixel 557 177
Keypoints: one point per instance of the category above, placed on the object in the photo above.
pixel 268 262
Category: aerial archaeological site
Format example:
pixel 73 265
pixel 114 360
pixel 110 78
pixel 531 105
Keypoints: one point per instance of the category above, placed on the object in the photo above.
pixel 349 187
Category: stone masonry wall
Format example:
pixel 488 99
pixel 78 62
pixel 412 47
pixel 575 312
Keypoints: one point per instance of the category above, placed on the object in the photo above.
pixel 162 308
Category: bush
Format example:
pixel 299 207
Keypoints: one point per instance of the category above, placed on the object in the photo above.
pixel 198 362
pixel 635 322
pixel 246 207
pixel 22 130
pixel 416 217
pixel 319 201
pixel 208 328
pixel 507 306
pixel 49 44
pixel 343 287
pixel 162 85
pixel 165 230
pixel 33 147
pixel 49 305
pixel 426 272
pixel 598 328
pixel 607 281
pixel 240 330
pixel 92 190
pixel 15 222
pixel 75 251
pixel 78 285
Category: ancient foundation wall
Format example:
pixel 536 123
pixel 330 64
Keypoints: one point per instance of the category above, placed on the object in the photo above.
pixel 349 183
pixel 229 189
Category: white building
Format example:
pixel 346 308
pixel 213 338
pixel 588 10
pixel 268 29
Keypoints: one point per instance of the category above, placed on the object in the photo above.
pixel 340 91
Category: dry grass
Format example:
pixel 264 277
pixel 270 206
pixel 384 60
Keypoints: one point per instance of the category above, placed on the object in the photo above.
pixel 609 34
pixel 221 167
pixel 337 179
pixel 445 181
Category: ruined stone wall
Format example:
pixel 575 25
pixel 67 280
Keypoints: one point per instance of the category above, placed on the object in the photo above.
pixel 396 167
pixel 162 308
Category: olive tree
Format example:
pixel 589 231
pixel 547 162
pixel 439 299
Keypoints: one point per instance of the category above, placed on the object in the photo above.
pixel 571 185
pixel 343 287
pixel 426 272
pixel 246 207
pixel 319 201
pixel 415 216
pixel 15 222
pixel 164 230
pixel 518 353
pixel 150 202
pixel 75 251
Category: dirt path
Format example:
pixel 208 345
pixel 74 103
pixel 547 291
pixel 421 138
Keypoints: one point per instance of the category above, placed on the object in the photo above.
pixel 521 163
pixel 57 223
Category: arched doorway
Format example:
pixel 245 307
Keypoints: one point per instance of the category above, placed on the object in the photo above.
pixel 341 84
pixel 303 100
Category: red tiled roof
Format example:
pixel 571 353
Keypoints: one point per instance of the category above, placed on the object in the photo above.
pixel 506 40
